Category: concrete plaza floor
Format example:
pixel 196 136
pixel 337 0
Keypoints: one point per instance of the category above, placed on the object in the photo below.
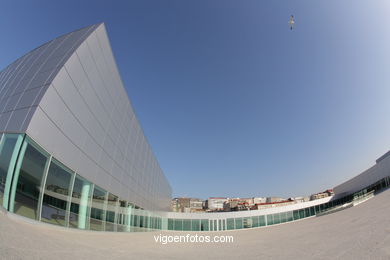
pixel 360 232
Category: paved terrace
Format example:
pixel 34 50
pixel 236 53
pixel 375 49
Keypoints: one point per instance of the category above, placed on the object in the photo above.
pixel 360 232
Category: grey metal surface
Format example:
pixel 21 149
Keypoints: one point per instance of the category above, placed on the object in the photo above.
pixel 380 170
pixel 73 103
pixel 24 82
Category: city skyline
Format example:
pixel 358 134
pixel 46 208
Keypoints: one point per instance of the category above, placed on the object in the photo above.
pixel 232 102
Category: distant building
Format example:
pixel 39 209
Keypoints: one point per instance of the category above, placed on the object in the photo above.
pixel 180 204
pixel 275 204
pixel 175 205
pixel 196 205
pixel 216 203
pixel 187 205
pixel 259 200
pixel 321 195
pixel 235 204
pixel 274 199
pixel 300 199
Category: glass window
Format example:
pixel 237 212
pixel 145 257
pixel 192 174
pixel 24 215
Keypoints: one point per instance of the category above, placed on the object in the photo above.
pixel 255 221
pixel 301 213
pixel 146 221
pixel 124 216
pixel 247 222
pixel 307 212
pixel 195 224
pixel 56 195
pixel 170 224
pixel 25 194
pixel 98 209
pixel 230 223
pixel 112 208
pixel 187 224
pixel 152 222
pixel 290 216
pixel 270 220
pixel 79 208
pixel 276 218
pixel 261 221
pixel 136 221
pixel 283 217
pixel 141 221
pixel 178 224
pixel 238 223
pixel 9 148
pixel 312 211
pixel 204 225
pixel 296 214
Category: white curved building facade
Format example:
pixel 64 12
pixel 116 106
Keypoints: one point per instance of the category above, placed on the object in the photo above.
pixel 72 152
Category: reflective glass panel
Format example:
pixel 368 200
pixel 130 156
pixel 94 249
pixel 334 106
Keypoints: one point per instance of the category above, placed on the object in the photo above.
pixel 238 223
pixel 276 218
pixel 195 225
pixel 301 213
pixel 98 209
pixel 55 198
pixel 178 224
pixel 312 212
pixel 170 224
pixel 296 214
pixel 307 212
pixel 112 205
pixel 247 222
pixel 80 206
pixel 283 217
pixel 290 216
pixel 204 225
pixel 270 220
pixel 9 148
pixel 262 221
pixel 187 224
pixel 29 179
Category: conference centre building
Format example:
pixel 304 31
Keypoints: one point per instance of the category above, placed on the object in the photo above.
pixel 73 153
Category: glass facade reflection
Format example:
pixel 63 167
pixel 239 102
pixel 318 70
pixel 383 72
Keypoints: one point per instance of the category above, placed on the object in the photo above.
pixel 27 185
pixel 33 184
pixel 56 195
pixel 79 209
pixel 98 210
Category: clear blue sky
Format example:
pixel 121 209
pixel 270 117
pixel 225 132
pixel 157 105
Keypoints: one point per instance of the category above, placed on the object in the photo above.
pixel 232 102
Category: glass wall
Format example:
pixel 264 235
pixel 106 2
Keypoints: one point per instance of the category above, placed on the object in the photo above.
pixel 9 150
pixel 27 182
pixel 195 224
pixel 98 210
pixel 112 208
pixel 79 209
pixel 57 194
pixel 204 225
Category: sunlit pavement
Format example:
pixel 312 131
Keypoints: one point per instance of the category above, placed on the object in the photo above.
pixel 360 232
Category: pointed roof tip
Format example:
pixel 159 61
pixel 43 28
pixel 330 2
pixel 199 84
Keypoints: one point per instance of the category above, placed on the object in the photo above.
pixel 95 25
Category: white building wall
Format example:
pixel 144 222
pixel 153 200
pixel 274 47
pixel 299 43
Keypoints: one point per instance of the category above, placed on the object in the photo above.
pixel 74 105
pixel 366 178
